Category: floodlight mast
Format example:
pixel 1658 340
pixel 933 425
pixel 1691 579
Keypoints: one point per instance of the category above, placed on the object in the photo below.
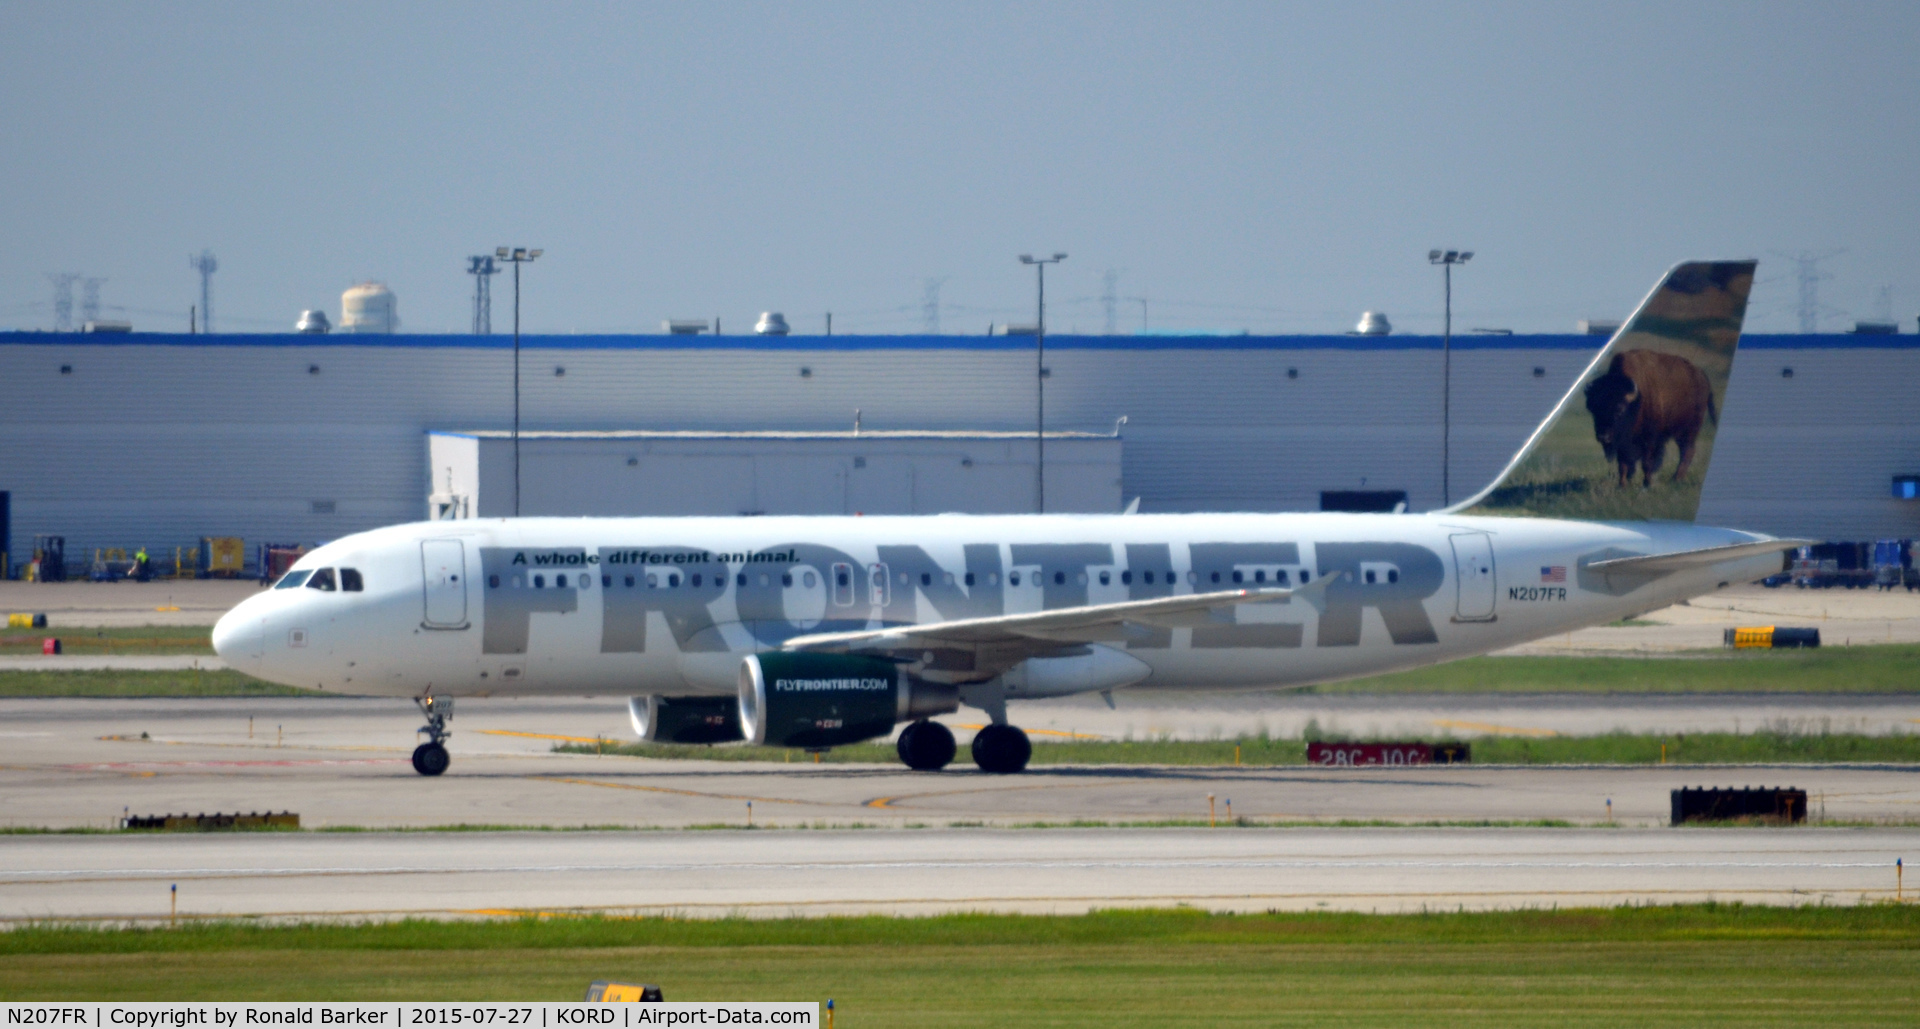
pixel 1040 381
pixel 1446 259
pixel 516 256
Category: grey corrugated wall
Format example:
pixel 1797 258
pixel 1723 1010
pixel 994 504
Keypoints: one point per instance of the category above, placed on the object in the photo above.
pixel 159 440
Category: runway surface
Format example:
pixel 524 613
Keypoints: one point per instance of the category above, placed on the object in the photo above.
pixel 781 873
pixel 343 762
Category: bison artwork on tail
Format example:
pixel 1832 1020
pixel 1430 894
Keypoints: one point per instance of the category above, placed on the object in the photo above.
pixel 1645 400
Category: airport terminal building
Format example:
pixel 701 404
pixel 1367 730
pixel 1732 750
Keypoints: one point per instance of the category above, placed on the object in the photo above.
pixel 123 440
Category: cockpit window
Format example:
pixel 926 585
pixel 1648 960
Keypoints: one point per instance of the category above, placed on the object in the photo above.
pixel 292 580
pixel 322 580
pixel 350 580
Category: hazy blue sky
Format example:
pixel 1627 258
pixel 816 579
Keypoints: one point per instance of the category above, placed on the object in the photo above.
pixel 1274 167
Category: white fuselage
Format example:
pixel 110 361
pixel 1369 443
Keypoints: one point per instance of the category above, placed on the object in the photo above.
pixel 626 606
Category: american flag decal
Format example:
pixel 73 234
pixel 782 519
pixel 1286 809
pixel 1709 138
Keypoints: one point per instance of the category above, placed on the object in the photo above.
pixel 1553 573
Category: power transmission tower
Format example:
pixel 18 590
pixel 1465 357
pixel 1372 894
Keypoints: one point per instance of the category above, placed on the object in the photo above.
pixel 90 299
pixel 482 269
pixel 63 299
pixel 1807 269
pixel 930 306
pixel 1110 301
pixel 206 265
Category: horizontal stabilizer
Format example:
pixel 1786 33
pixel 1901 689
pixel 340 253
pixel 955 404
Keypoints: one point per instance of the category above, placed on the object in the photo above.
pixel 1658 564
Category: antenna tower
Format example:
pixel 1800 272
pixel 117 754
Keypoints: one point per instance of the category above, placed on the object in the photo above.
pixel 482 270
pixel 90 299
pixel 930 306
pixel 205 263
pixel 1110 301
pixel 1807 270
pixel 63 299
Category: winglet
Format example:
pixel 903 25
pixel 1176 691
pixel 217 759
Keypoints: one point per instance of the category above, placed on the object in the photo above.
pixel 1656 388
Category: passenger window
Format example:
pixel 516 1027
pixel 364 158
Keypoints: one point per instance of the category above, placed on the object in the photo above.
pixel 1216 577
pixel 741 580
pixel 969 578
pixel 1059 578
pixel 350 580
pixel 653 580
pixel 293 580
pixel 560 581
pixel 993 578
pixel 539 582
pixel 1280 577
pixel 629 582
pixel 493 582
pixel 1106 578
pixel 1149 578
pixel 1013 578
pixel 673 581
pixel 606 581
pixel 1237 577
pixel 786 578
pixel 696 579
pixel 1260 575
pixel 585 581
pixel 1369 575
pixel 322 580
pixel 1126 577
pixel 808 580
pixel 926 579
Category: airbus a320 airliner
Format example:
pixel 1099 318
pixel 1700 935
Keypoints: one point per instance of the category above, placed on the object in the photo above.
pixel 812 632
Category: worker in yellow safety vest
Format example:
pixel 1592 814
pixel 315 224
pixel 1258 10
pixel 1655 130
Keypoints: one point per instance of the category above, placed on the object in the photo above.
pixel 142 567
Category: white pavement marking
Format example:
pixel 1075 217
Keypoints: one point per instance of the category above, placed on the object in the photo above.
pixel 110 662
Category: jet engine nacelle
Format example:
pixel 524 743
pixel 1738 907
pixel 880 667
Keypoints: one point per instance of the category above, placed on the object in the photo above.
pixel 658 719
pixel 825 700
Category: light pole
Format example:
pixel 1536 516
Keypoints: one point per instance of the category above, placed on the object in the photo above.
pixel 1446 259
pixel 1040 381
pixel 516 256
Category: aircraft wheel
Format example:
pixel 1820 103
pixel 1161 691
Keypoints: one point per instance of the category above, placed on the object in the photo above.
pixel 926 746
pixel 1001 749
pixel 431 759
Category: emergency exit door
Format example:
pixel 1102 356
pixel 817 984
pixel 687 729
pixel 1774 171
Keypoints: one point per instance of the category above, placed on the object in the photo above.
pixel 1473 574
pixel 444 564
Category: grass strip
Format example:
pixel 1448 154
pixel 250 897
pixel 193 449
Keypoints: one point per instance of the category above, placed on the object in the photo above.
pixel 1697 965
pixel 127 639
pixel 1881 668
pixel 182 682
pixel 1766 747
pixel 1884 668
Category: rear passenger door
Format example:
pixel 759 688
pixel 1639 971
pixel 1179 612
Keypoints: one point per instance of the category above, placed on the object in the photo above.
pixel 443 564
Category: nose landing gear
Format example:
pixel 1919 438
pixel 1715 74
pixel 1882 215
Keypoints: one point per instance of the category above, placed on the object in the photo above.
pixel 431 758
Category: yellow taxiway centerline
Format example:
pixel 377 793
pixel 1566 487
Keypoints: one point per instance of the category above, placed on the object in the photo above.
pixel 1503 730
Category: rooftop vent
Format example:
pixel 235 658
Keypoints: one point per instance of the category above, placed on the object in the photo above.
pixel 1598 326
pixel 313 323
pixel 1373 323
pixel 107 326
pixel 1876 328
pixel 683 326
pixel 771 323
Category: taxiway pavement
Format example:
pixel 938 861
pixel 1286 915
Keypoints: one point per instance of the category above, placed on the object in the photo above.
pixel 789 872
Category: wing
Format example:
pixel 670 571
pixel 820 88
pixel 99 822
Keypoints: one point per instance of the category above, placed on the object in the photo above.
pixel 974 649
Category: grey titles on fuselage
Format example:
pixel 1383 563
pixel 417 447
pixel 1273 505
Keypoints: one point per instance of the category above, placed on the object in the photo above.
pixel 905 585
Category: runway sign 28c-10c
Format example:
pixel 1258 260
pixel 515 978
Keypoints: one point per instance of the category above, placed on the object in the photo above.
pixel 1350 754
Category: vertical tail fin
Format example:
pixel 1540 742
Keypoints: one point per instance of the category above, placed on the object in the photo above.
pixel 1632 439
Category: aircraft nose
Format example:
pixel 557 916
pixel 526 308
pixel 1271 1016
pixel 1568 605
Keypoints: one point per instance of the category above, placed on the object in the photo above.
pixel 236 636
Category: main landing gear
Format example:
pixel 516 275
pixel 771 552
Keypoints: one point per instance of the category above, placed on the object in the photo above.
pixel 431 758
pixel 1000 749
pixel 925 746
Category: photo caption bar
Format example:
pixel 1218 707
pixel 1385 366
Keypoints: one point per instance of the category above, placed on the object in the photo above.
pixel 409 1014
